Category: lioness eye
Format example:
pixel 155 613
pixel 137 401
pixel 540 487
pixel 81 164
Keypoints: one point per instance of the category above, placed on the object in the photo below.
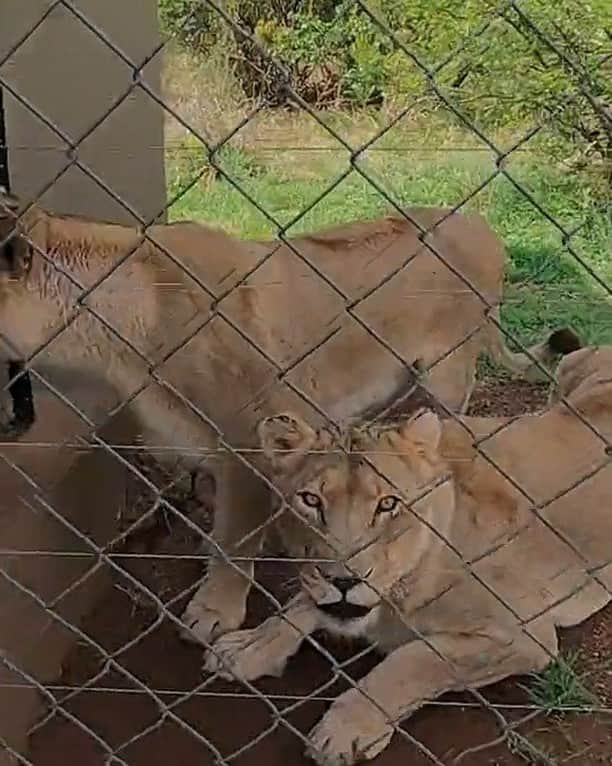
pixel 311 500
pixel 387 504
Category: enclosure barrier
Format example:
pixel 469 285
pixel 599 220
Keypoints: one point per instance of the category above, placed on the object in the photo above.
pixel 92 541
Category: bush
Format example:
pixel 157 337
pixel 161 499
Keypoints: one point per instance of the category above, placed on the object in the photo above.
pixel 542 61
pixel 189 20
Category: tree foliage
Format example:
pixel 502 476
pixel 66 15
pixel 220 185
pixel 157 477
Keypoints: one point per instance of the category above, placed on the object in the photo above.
pixel 498 66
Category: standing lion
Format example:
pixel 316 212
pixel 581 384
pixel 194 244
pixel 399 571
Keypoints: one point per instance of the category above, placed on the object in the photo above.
pixel 203 335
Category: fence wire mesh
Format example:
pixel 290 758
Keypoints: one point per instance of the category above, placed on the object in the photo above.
pixel 157 574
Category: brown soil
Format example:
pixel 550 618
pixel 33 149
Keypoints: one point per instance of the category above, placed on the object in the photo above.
pixel 205 723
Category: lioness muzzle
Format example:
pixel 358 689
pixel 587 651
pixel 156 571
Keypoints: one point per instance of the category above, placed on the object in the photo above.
pixel 22 398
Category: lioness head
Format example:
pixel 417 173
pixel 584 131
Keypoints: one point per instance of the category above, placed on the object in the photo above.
pixel 20 307
pixel 364 506
pixel 14 263
pixel 15 255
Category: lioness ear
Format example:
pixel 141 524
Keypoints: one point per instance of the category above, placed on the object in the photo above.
pixel 285 438
pixel 423 430
pixel 7 202
pixel 15 256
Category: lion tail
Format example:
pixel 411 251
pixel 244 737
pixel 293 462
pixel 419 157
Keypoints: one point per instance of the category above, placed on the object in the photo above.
pixel 547 352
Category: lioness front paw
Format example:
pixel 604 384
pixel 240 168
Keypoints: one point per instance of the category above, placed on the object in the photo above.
pixel 203 625
pixel 245 655
pixel 352 730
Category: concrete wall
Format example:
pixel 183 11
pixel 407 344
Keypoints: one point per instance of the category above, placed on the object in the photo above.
pixel 74 79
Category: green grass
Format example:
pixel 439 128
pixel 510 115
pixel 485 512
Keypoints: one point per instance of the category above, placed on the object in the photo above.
pixel 559 687
pixel 546 286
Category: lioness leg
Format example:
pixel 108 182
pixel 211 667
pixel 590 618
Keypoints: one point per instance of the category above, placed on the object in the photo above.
pixel 453 378
pixel 249 654
pixel 241 509
pixel 355 728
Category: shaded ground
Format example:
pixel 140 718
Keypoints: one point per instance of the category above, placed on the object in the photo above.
pixel 203 723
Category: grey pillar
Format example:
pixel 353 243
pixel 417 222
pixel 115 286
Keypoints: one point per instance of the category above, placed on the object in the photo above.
pixel 75 80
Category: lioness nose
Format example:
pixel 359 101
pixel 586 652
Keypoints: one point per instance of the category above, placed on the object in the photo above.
pixel 344 584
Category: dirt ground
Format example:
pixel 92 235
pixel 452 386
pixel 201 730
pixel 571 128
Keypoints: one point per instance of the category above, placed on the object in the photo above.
pixel 191 721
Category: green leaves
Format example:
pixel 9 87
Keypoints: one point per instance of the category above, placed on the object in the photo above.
pixel 532 62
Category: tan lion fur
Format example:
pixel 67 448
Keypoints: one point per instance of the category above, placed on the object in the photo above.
pixel 502 533
pixel 204 334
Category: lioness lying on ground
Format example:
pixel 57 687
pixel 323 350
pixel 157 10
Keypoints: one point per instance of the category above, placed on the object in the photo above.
pixel 435 552
pixel 204 334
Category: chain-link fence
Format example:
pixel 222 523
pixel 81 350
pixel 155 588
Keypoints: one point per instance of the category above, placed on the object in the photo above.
pixel 403 535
